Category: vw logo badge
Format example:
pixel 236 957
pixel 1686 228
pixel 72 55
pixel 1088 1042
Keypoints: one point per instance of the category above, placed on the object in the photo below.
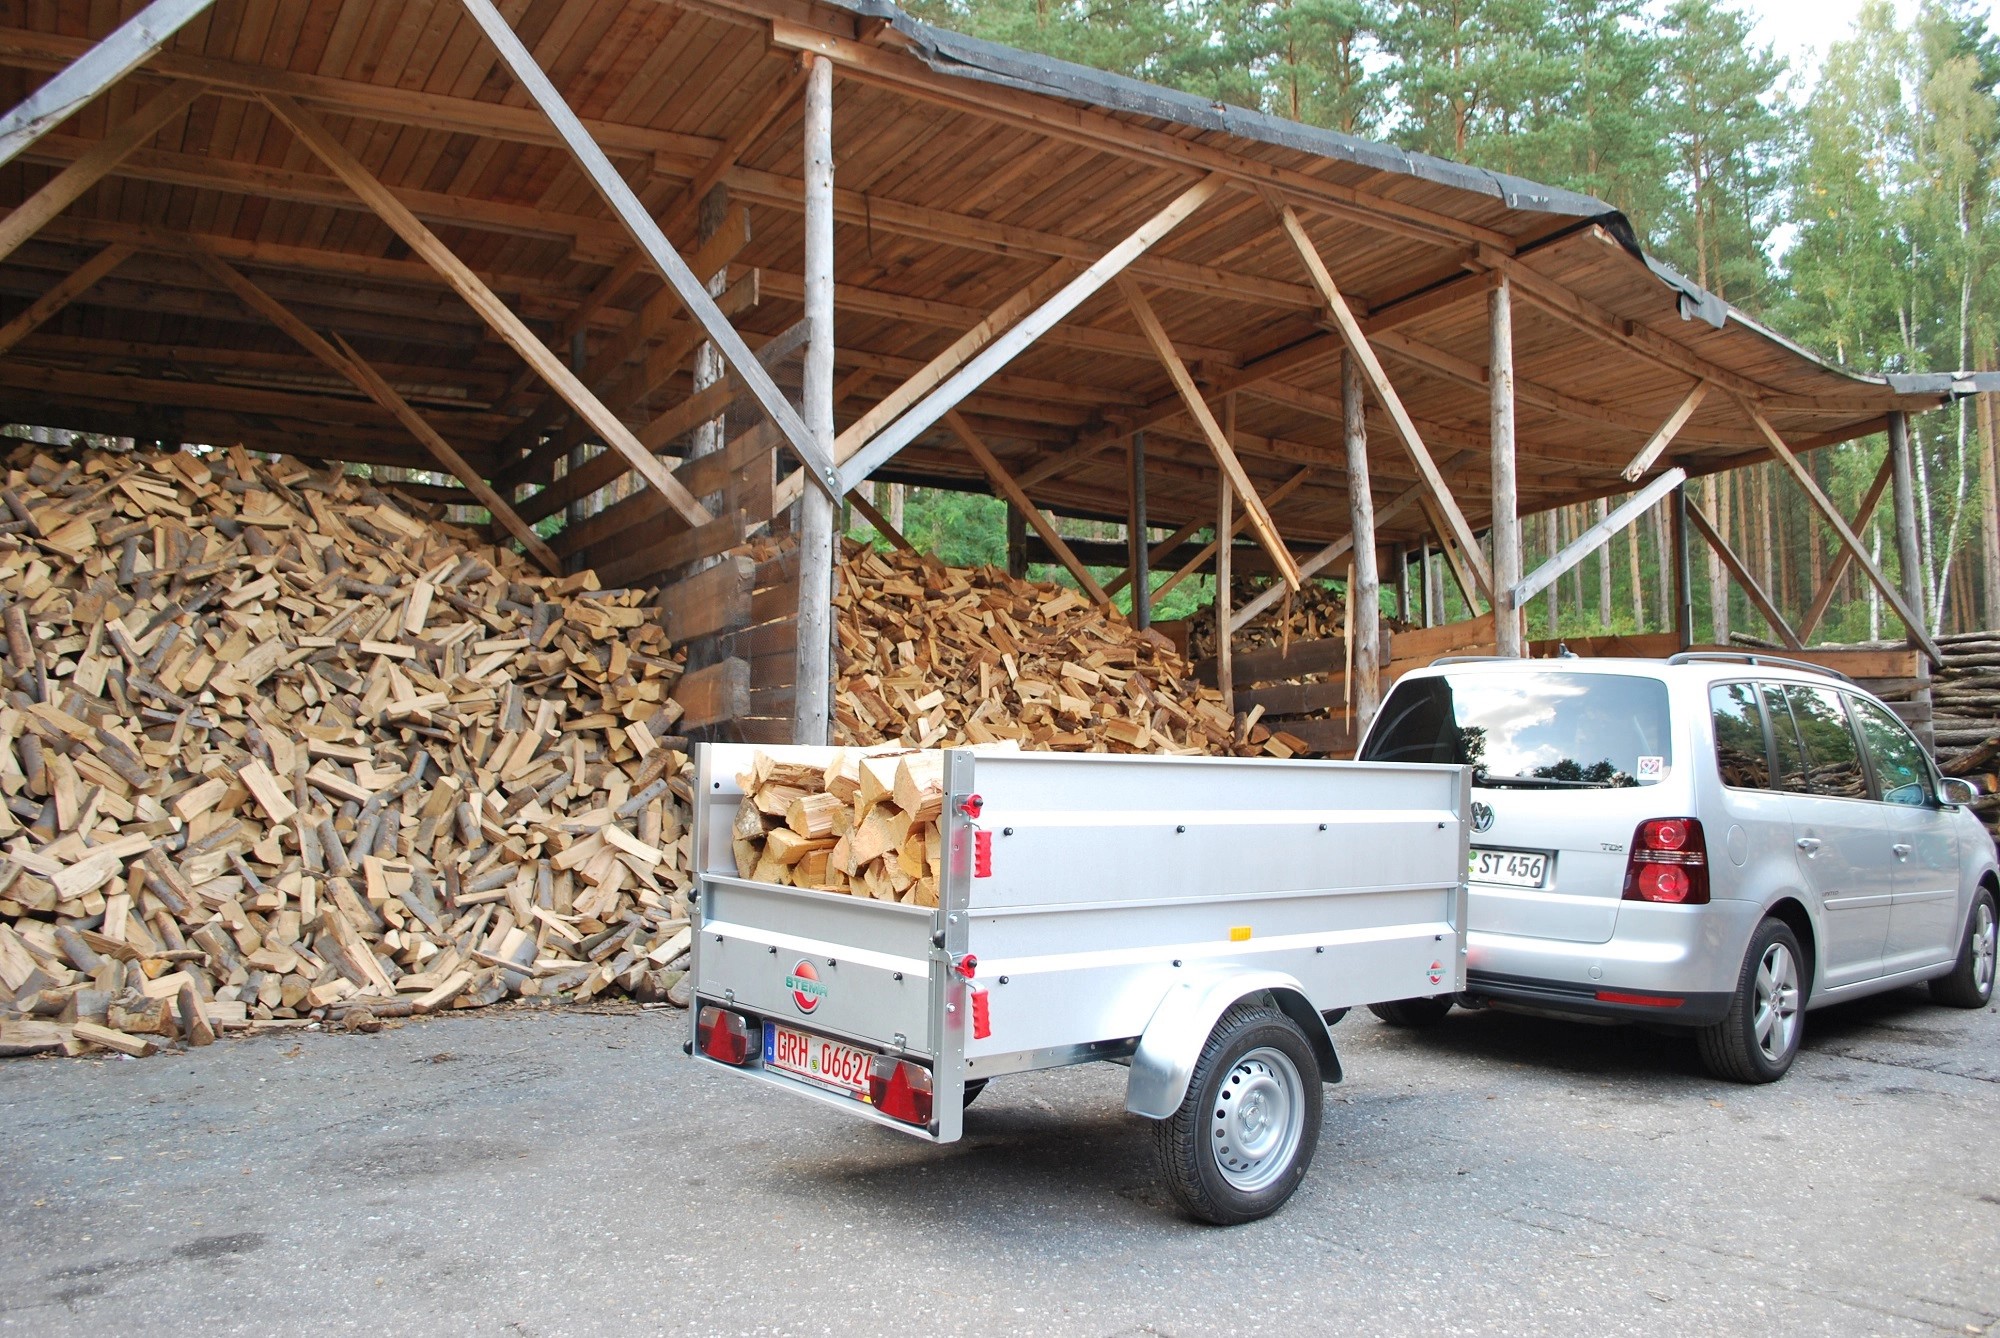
pixel 805 986
pixel 1482 817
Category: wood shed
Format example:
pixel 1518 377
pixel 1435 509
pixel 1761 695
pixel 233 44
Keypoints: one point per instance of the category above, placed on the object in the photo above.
pixel 649 279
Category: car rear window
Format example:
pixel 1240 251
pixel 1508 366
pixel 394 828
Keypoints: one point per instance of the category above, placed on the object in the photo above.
pixel 1530 730
pixel 1740 757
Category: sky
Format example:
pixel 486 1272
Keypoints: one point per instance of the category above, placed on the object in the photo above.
pixel 1801 30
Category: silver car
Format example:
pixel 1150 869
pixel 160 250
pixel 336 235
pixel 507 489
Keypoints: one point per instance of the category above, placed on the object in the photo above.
pixel 1716 842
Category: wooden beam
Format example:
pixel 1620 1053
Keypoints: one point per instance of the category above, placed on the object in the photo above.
pixel 1596 536
pixel 1759 599
pixel 482 300
pixel 1842 559
pixel 66 291
pixel 1364 598
pixel 1136 567
pixel 880 522
pixel 1664 436
pixel 1803 477
pixel 1025 505
pixel 1219 443
pixel 73 87
pixel 1326 557
pixel 350 365
pixel 818 510
pixel 1225 631
pixel 1207 550
pixel 1455 559
pixel 926 378
pixel 1385 393
pixel 63 189
pixel 630 211
pixel 1509 634
pixel 1160 552
pixel 1004 349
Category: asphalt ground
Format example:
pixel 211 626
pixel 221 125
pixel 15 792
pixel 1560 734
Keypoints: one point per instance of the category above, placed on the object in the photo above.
pixel 569 1173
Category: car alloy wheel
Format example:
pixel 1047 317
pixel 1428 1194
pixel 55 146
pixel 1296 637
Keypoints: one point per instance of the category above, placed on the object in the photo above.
pixel 1775 1020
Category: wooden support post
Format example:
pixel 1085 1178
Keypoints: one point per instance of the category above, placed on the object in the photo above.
pixel 1225 669
pixel 73 87
pixel 1427 578
pixel 1025 505
pixel 1392 403
pixel 1005 348
pixel 813 685
pixel 1759 599
pixel 76 282
pixel 1910 613
pixel 1017 544
pixel 1400 560
pixel 1683 569
pixel 1842 558
pixel 1221 443
pixel 1510 637
pixel 61 191
pixel 1135 526
pixel 1903 504
pixel 350 365
pixel 1364 597
pixel 626 205
pixel 1664 435
pixel 484 301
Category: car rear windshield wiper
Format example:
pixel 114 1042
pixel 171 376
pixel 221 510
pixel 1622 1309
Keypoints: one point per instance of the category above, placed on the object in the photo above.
pixel 1492 782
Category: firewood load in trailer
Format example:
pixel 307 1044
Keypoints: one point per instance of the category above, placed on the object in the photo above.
pixel 279 748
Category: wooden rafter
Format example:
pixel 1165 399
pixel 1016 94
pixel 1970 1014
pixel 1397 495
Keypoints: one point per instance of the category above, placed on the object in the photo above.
pixel 482 300
pixel 78 83
pixel 1441 500
pixel 1843 559
pixel 1218 441
pixel 1664 436
pixel 1848 540
pixel 92 165
pixel 1596 536
pixel 1022 503
pixel 77 281
pixel 352 366
pixel 1759 598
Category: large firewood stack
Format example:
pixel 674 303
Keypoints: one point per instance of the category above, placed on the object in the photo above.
pixel 277 747
pixel 866 824
pixel 934 656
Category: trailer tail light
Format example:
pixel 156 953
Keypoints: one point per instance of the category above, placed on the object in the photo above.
pixel 725 1036
pixel 1669 863
pixel 901 1090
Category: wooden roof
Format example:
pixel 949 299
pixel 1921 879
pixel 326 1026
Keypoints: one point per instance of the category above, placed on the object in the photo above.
pixel 963 172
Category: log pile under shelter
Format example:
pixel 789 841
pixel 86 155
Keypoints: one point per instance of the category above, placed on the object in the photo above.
pixel 280 748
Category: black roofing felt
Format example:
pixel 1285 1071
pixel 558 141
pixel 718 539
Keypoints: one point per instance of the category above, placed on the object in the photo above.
pixel 965 57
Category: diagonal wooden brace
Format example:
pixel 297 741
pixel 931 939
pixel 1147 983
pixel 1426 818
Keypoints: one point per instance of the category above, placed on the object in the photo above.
pixel 74 86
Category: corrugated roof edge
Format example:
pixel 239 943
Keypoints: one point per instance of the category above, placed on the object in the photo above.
pixel 965 57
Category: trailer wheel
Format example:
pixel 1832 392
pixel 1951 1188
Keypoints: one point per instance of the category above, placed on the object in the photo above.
pixel 1414 1013
pixel 973 1087
pixel 1245 1134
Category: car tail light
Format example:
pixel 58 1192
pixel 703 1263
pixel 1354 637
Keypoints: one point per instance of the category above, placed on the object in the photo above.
pixel 729 1037
pixel 901 1090
pixel 1669 863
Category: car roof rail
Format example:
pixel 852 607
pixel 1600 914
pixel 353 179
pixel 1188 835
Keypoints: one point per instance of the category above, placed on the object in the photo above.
pixel 1474 659
pixel 1750 657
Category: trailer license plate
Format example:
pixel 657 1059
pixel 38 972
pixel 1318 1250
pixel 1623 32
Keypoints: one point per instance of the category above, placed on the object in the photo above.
pixel 817 1059
pixel 1509 868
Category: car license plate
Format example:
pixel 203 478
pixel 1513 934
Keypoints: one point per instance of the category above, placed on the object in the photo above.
pixel 1509 868
pixel 816 1059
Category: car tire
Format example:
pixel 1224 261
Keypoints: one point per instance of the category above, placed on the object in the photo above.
pixel 973 1087
pixel 1970 984
pixel 1758 1040
pixel 1413 1013
pixel 1332 1017
pixel 1245 1133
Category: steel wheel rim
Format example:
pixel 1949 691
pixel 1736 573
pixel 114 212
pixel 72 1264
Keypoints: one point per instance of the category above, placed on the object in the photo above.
pixel 1774 1017
pixel 1985 947
pixel 1258 1120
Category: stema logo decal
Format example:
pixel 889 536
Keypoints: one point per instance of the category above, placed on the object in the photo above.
pixel 805 986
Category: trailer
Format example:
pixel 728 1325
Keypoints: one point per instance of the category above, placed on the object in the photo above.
pixel 1201 920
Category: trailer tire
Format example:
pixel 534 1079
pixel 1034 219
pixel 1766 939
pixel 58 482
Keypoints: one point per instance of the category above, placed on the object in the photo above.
pixel 1415 1014
pixel 973 1087
pixel 1245 1133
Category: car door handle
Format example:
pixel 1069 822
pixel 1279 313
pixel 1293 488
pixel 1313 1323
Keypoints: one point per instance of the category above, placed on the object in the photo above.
pixel 1809 844
pixel 1902 850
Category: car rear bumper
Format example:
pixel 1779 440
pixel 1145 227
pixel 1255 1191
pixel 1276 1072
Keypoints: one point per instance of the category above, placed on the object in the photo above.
pixel 1672 964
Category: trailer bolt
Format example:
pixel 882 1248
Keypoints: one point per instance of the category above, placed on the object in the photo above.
pixel 1180 828
pixel 899 974
pixel 1322 826
pixel 1177 961
pixel 1006 831
pixel 831 962
pixel 1003 980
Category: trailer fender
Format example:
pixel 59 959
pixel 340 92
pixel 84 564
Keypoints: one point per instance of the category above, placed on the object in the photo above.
pixel 1163 1065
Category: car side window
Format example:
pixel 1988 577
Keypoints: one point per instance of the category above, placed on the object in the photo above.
pixel 1788 757
pixel 1900 767
pixel 1740 756
pixel 1832 756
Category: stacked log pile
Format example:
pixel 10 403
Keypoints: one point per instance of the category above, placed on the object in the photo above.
pixel 278 748
pixel 932 656
pixel 1965 690
pixel 866 824
pixel 1315 612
